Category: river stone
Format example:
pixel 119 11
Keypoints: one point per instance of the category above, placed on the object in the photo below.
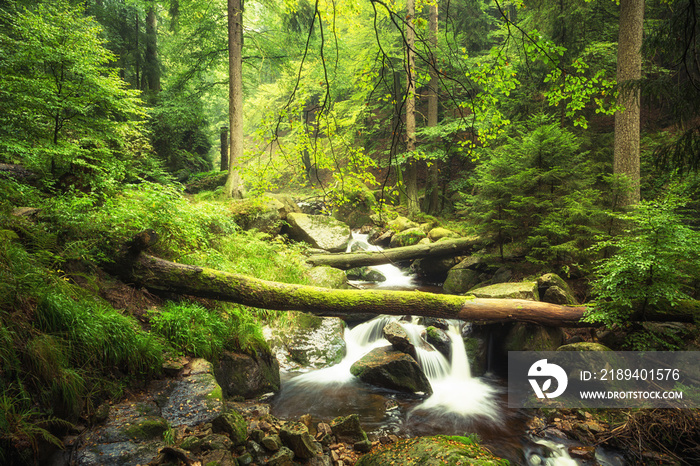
pixel 219 458
pixel 312 341
pixel 431 451
pixel 295 436
pixel 401 224
pixel 328 277
pixel 232 424
pixel 381 239
pixel 434 269
pixel 272 442
pixel 439 233
pixel 440 340
pixel 388 368
pixel 118 453
pixel 532 337
pixel 397 336
pixel 283 457
pixel 319 231
pixel 247 376
pixel 408 237
pixel 552 279
pixel 583 346
pixel 347 429
pixel 520 290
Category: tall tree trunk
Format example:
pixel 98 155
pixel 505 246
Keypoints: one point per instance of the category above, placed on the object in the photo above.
pixel 233 186
pixel 410 176
pixel 432 190
pixel 629 72
pixel 151 72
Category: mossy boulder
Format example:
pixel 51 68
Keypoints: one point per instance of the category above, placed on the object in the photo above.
pixel 436 234
pixel 319 231
pixel 314 341
pixel 555 290
pixel 232 424
pixel 356 205
pixel 583 346
pixel 347 429
pixel 266 213
pixel 296 437
pixel 247 375
pixel 387 368
pixel 407 237
pixel 397 336
pixel 439 450
pixel 147 428
pixel 514 290
pixel 440 340
pixel 328 277
pixel 208 181
pixel 196 399
pixel 401 223
pixel 460 280
pixel 532 337
pixel 367 274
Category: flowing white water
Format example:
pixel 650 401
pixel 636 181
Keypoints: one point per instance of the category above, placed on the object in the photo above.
pixel 395 277
pixel 550 454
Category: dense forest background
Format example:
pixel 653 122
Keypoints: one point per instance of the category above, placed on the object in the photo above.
pixel 565 132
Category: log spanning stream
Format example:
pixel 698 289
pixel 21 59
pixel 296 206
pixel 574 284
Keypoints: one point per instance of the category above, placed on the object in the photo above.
pixel 459 404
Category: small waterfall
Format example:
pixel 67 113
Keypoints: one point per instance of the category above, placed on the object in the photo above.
pixel 549 453
pixel 395 277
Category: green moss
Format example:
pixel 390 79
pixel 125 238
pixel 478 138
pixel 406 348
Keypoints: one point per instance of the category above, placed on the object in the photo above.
pixel 216 394
pixel 148 429
pixel 432 451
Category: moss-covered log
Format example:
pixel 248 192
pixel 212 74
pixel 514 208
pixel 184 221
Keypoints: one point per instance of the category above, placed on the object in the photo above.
pixel 159 274
pixel 346 261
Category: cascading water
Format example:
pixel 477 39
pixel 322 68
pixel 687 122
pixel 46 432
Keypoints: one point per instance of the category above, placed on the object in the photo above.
pixel 457 396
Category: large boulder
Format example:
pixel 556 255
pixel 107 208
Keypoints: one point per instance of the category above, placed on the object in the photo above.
pixel 401 224
pixel 296 437
pixel 555 290
pixel 460 280
pixel 519 290
pixel 439 339
pixel 431 451
pixel 312 342
pixel 247 376
pixel 387 368
pixel 438 233
pixel 356 205
pixel 319 231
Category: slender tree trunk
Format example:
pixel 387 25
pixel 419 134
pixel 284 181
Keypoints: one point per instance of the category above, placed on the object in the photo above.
pixel 410 176
pixel 137 79
pixel 233 186
pixel 151 74
pixel 224 148
pixel 432 190
pixel 629 72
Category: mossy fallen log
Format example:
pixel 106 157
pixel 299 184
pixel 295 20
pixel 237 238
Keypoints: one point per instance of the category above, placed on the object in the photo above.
pixel 350 260
pixel 159 274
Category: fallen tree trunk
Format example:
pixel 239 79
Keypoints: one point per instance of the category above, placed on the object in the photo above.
pixel 159 274
pixel 346 261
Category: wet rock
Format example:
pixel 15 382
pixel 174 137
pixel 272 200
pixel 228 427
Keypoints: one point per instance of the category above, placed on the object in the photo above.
pixel 550 280
pixel 195 399
pixel 347 429
pixel 388 368
pixel 231 423
pixel 586 453
pixel 431 451
pixel 295 435
pixel 319 231
pixel 207 443
pixel 313 342
pixel 247 376
pixel 521 290
pixel 381 239
pixel 407 237
pixel 439 339
pixel 363 446
pixel 434 270
pixel 328 277
pixel 397 336
pixel 367 274
pixel 460 280
pixel 118 453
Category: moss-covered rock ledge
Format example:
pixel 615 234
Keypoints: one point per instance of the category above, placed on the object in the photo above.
pixel 432 451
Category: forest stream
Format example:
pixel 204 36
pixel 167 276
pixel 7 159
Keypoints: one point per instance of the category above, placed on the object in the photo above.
pixel 460 404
